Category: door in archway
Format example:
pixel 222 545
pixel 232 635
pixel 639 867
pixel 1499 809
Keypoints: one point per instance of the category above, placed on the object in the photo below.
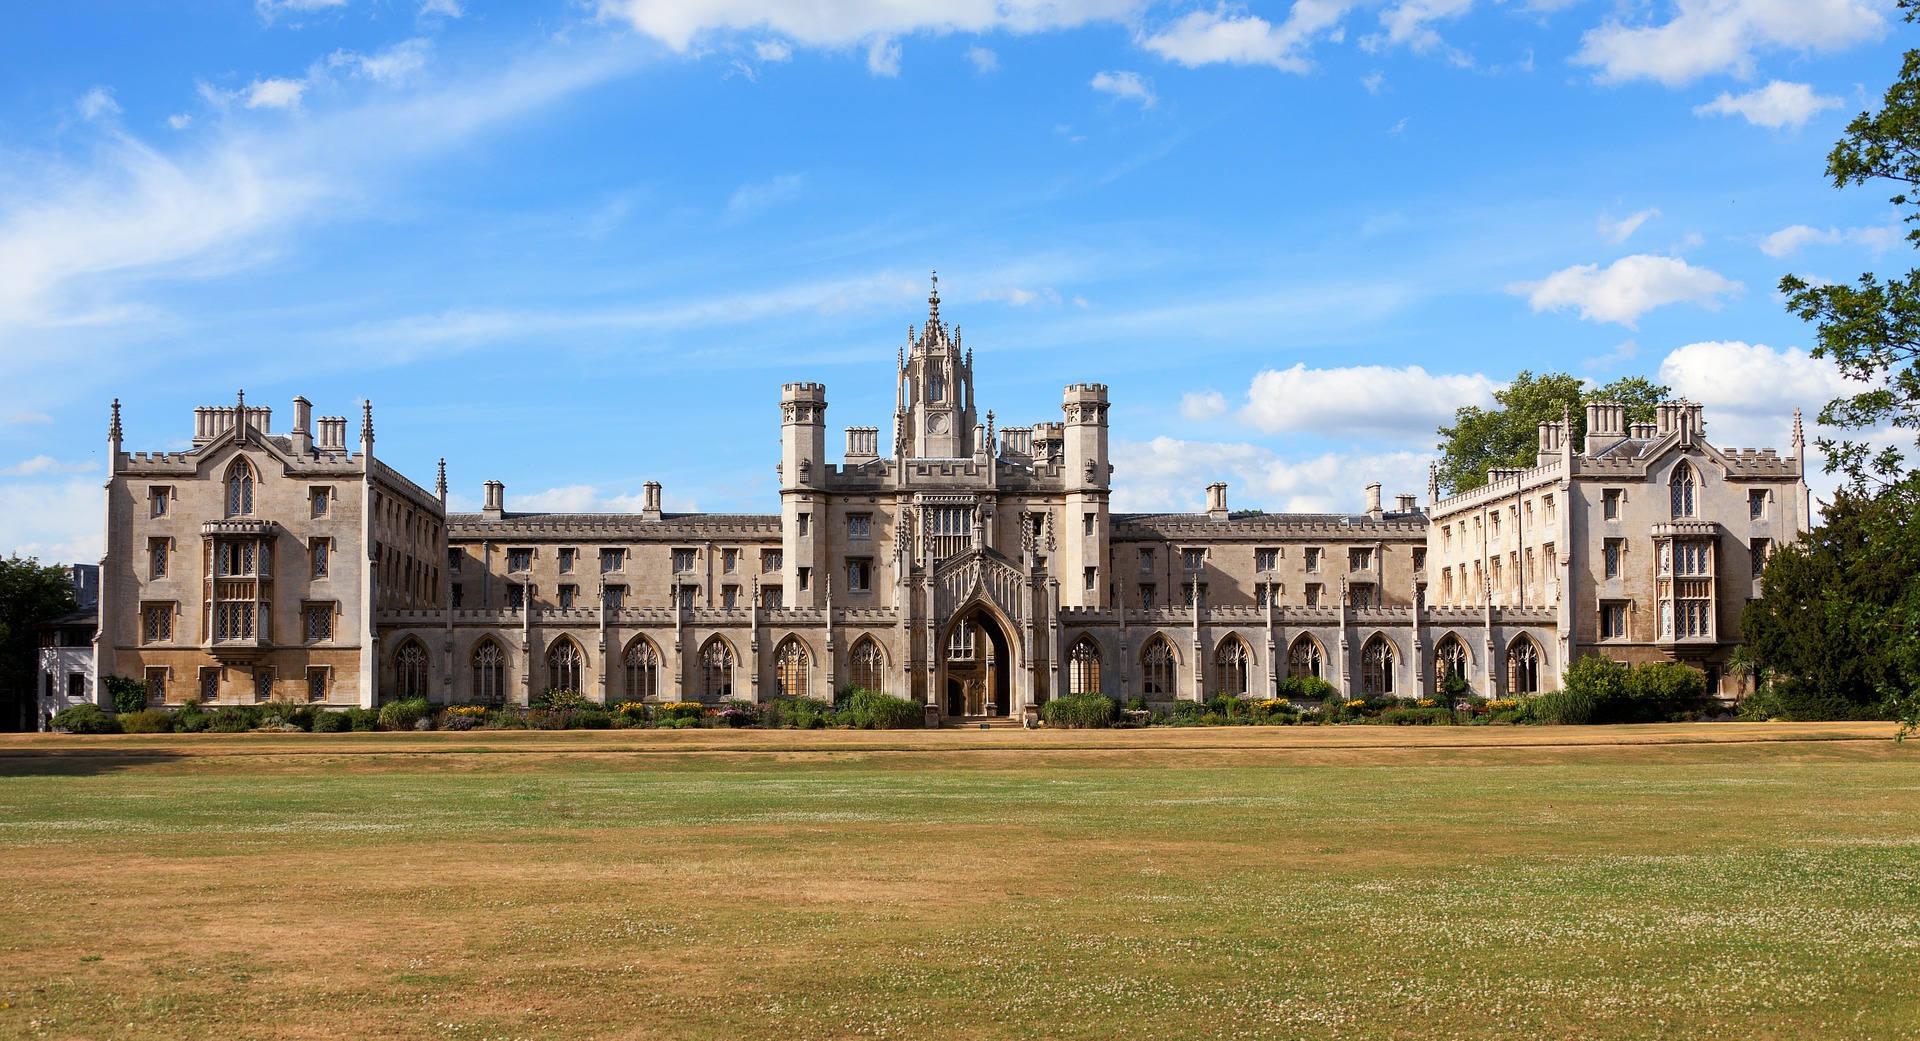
pixel 979 667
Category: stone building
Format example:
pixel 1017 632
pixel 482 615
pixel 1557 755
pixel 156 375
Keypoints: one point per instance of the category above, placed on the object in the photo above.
pixel 973 567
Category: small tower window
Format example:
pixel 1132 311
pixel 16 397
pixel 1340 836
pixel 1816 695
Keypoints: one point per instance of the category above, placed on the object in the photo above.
pixel 937 387
pixel 240 489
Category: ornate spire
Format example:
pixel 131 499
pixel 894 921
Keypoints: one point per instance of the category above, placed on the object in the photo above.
pixel 440 484
pixel 366 420
pixel 933 302
pixel 990 447
pixel 1799 436
pixel 240 416
pixel 113 428
pixel 1433 481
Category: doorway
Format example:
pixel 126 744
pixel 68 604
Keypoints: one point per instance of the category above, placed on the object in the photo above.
pixel 978 667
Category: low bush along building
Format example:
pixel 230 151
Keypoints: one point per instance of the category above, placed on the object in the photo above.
pixel 973 570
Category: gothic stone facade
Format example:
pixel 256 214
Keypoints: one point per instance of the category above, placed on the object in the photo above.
pixel 976 570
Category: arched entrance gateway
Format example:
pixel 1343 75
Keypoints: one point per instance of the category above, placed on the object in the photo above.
pixel 977 669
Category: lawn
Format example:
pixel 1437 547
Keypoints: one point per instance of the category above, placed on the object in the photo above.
pixel 1729 880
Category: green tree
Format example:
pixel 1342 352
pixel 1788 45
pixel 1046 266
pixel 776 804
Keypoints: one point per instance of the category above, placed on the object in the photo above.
pixel 30 592
pixel 1509 434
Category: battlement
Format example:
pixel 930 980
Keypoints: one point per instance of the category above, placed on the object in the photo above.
pixel 1086 392
pixel 803 392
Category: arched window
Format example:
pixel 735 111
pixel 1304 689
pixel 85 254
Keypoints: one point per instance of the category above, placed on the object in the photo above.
pixel 1083 667
pixel 937 387
pixel 1230 667
pixel 1376 667
pixel 1303 658
pixel 240 489
pixel 1523 666
pixel 716 671
pixel 1449 659
pixel 1685 491
pixel 410 671
pixel 1159 669
pixel 489 673
pixel 563 666
pixel 867 664
pixel 643 671
pixel 790 668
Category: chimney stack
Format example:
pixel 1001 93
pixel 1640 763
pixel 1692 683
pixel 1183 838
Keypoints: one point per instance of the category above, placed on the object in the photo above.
pixel 1373 500
pixel 1217 501
pixel 301 436
pixel 650 502
pixel 496 507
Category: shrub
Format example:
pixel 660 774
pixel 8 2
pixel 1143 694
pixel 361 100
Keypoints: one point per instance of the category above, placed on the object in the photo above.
pixel 631 712
pixel 362 719
pixel 1417 716
pixel 1797 700
pixel 740 713
pixel 797 713
pixel 595 718
pixel 1563 708
pixel 326 722
pixel 872 710
pixel 191 719
pixel 1079 712
pixel 674 710
pixel 147 721
pixel 563 701
pixel 402 715
pixel 86 718
pixel 129 695
pixel 234 719
pixel 285 714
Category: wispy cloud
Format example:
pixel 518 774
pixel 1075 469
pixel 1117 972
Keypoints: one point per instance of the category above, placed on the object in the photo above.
pixel 749 199
pixel 1618 231
pixel 1128 85
pixel 1774 106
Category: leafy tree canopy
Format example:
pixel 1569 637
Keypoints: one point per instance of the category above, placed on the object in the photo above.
pixel 30 592
pixel 1871 328
pixel 1508 435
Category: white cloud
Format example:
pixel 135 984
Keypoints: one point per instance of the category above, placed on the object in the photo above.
pixel 1169 475
pixel 396 64
pixel 1217 36
pixel 1618 231
pixel 883 57
pixel 1723 36
pixel 444 8
pixel 44 464
pixel 1201 406
pixel 1751 390
pixel 180 121
pixel 274 93
pixel 1790 239
pixel 1373 81
pixel 1776 105
pixel 1367 399
pixel 1127 85
pixel 1410 23
pixel 772 50
pixel 29 417
pixel 749 199
pixel 96 103
pixel 1627 351
pixel 1627 288
pixel 984 61
pixel 678 23
pixel 1018 297
pixel 270 9
pixel 56 522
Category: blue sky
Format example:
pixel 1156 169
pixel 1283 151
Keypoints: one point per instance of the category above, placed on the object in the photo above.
pixel 577 246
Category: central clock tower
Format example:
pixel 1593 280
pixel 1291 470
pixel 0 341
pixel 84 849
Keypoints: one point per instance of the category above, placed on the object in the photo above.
pixel 934 416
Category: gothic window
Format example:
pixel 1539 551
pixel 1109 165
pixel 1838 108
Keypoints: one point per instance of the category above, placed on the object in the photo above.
pixel 1449 660
pixel 1523 667
pixel 643 671
pixel 410 671
pixel 937 387
pixel 1610 557
pixel 1083 667
pixel 1146 562
pixel 489 673
pixel 321 501
pixel 453 559
pixel 790 668
pixel 616 560
pixel 867 664
pixel 317 622
pixel 157 558
pixel 614 597
pixel 566 560
pixel 769 561
pixel 209 684
pixel 729 597
pixel 519 560
pixel 1610 503
pixel 1613 621
pixel 960 645
pixel 263 684
pixel 1376 667
pixel 240 489
pixel 683 560
pixel 716 670
pixel 1759 551
pixel 1266 559
pixel 156 684
pixel 729 560
pixel 1313 559
pixel 1315 591
pixel 319 679
pixel 1685 489
pixel 859 526
pixel 1159 669
pixel 1359 559
pixel 318 551
pixel 859 574
pixel 563 666
pixel 1193 559
pixel 567 594
pixel 1757 504
pixel 156 623
pixel 1230 663
pixel 158 498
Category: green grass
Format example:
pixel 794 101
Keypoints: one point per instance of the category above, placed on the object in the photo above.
pixel 1118 890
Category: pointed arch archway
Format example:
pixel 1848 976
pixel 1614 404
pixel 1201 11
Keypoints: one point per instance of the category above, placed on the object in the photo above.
pixel 239 484
pixel 716 670
pixel 566 666
pixel 1449 660
pixel 977 662
pixel 1523 665
pixel 1377 662
pixel 642 661
pixel 1159 668
pixel 410 669
pixel 1232 666
pixel 866 664
pixel 489 664
pixel 1305 657
pixel 792 668
pixel 1083 666
pixel 1685 488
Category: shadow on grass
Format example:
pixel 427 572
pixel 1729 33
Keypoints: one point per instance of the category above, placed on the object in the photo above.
pixel 79 762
